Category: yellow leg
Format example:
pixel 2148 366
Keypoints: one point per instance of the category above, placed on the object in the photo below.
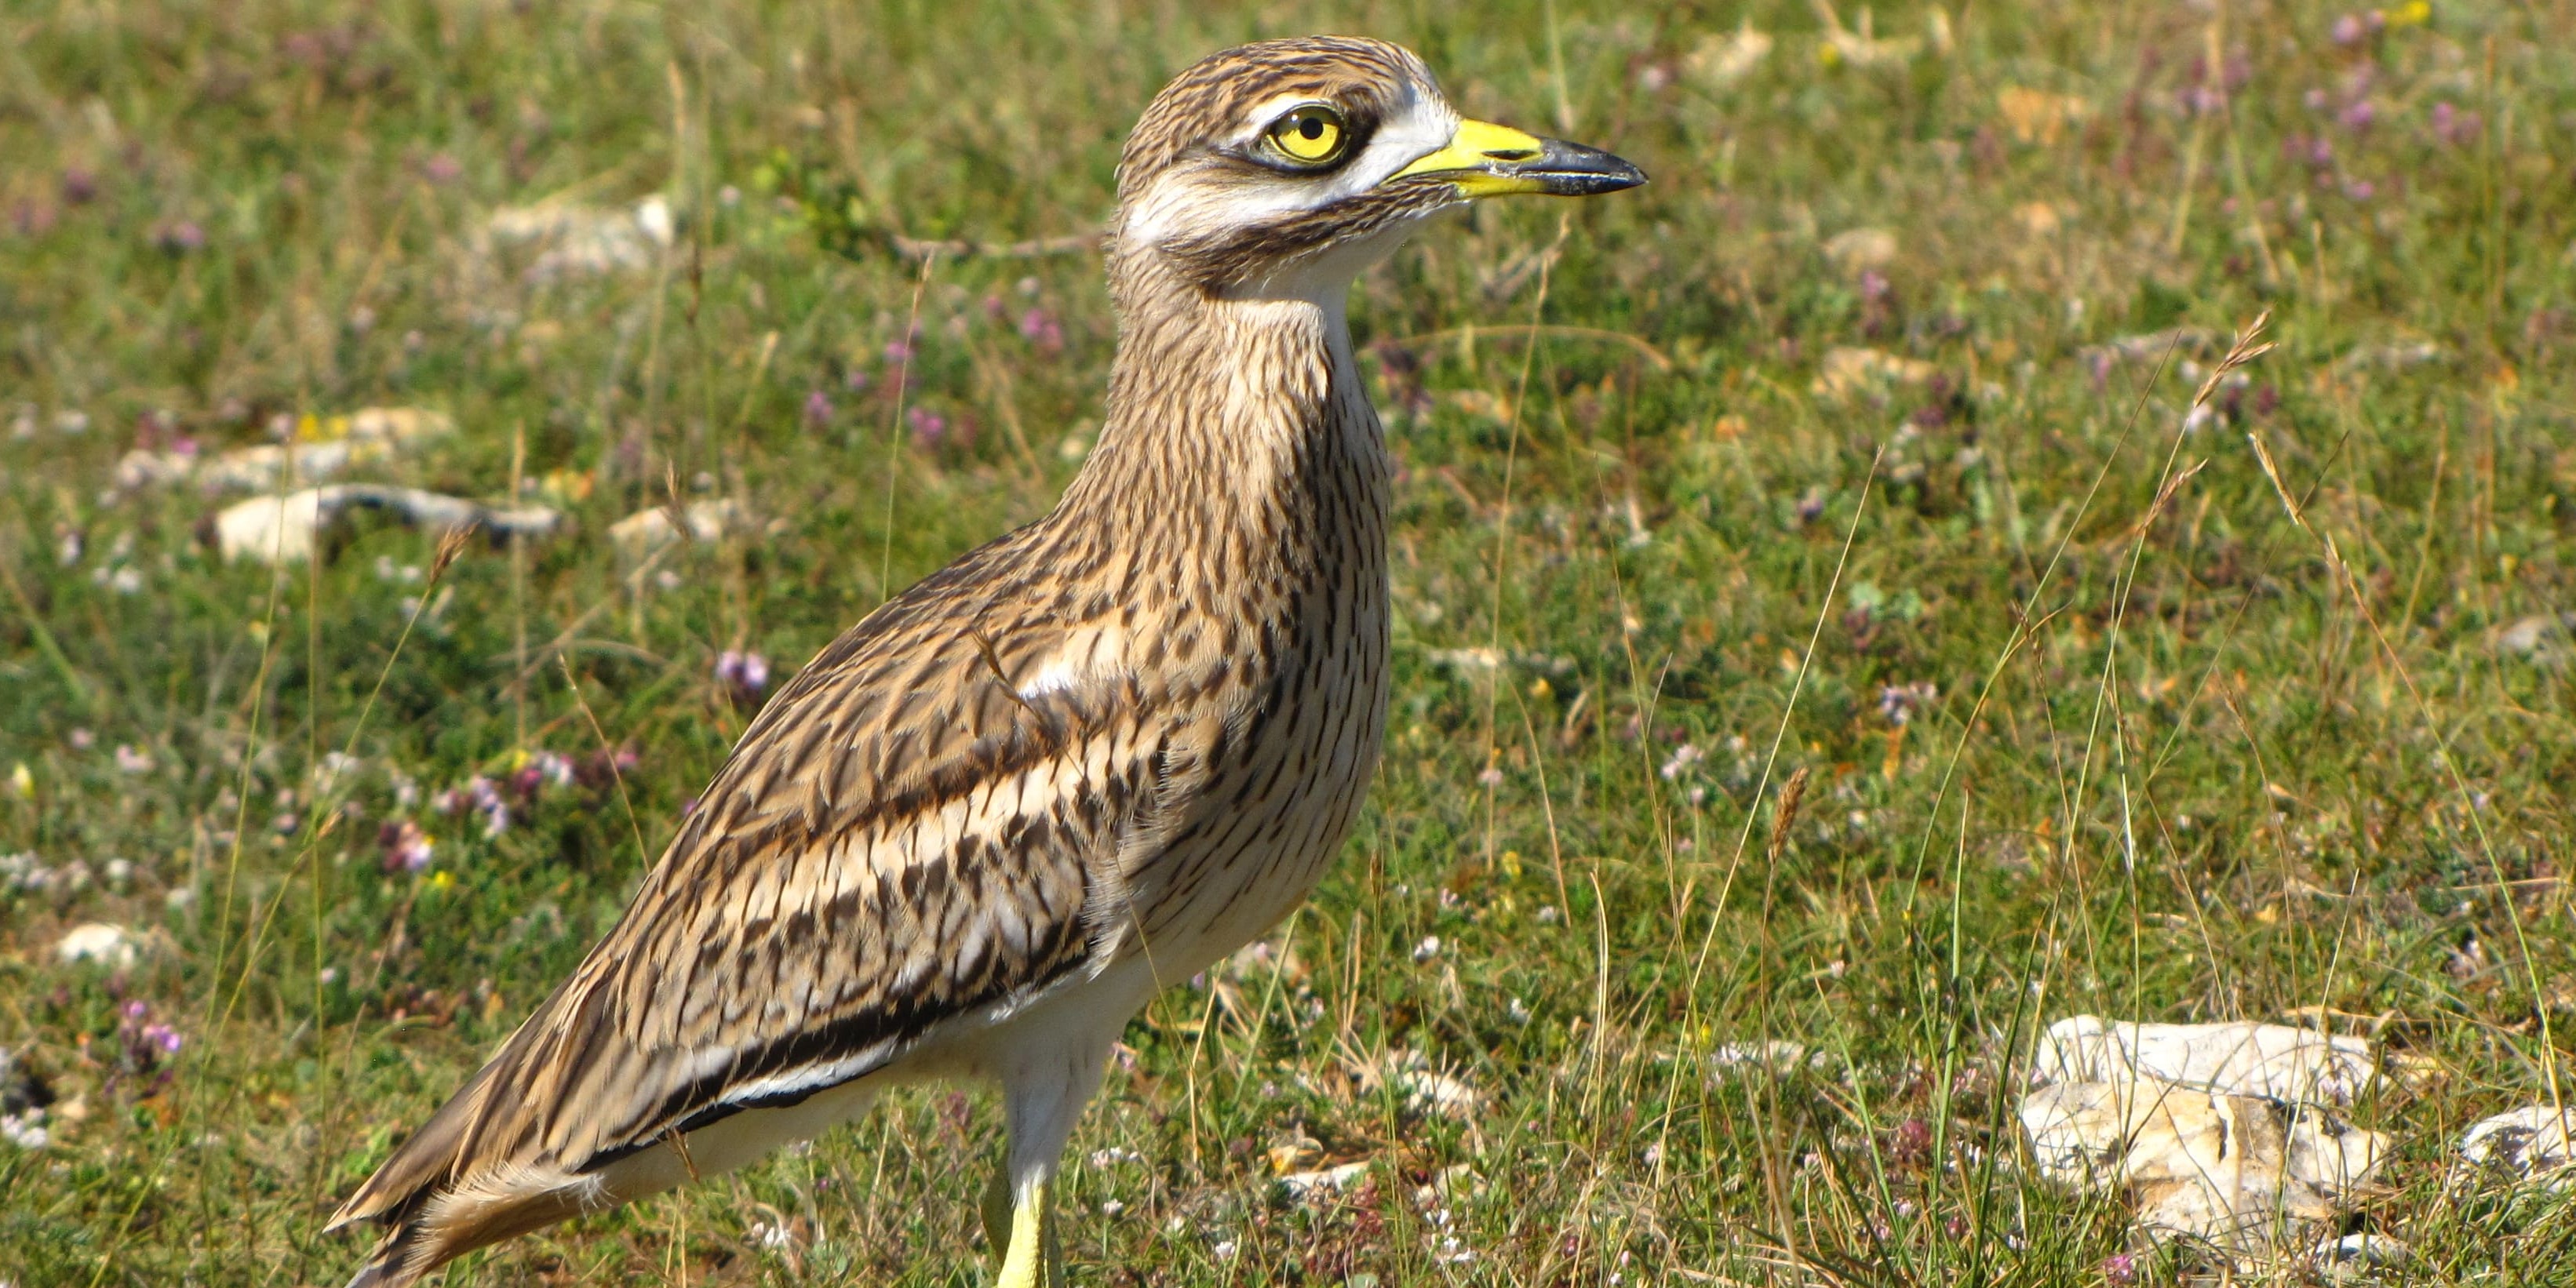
pixel 1024 1233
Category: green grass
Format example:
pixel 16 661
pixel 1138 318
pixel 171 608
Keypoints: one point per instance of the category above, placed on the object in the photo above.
pixel 2176 761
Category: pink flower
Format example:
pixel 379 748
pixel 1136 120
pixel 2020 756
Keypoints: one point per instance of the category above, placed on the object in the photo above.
pixel 1040 328
pixel 2455 127
pixel 441 168
pixel 179 237
pixel 818 409
pixel 745 673
pixel 406 847
pixel 928 427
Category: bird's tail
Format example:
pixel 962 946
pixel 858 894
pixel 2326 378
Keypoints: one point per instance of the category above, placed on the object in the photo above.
pixel 392 1263
pixel 468 1213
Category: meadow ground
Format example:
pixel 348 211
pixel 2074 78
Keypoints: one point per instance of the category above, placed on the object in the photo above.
pixel 1858 446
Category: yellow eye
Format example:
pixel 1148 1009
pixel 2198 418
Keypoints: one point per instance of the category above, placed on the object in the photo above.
pixel 1312 135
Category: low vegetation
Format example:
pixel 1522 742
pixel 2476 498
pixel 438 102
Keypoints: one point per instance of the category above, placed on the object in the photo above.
pixel 1854 463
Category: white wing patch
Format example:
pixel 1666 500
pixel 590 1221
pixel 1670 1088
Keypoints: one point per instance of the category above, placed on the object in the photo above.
pixel 1054 677
pixel 1086 657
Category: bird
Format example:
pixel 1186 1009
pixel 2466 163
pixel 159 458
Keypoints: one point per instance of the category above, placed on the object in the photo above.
pixel 986 824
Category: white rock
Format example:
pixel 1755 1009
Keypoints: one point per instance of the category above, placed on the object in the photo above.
pixel 2541 636
pixel 1323 1181
pixel 646 531
pixel 1720 59
pixel 1861 248
pixel 586 241
pixel 2244 1059
pixel 1426 1090
pixel 326 448
pixel 285 529
pixel 2230 1169
pixel 99 942
pixel 1849 370
pixel 2354 1257
pixel 1777 1057
pixel 2527 1143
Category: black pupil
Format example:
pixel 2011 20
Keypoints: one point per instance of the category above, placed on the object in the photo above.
pixel 1311 128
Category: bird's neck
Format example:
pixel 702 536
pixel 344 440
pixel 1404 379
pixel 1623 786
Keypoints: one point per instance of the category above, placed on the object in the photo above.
pixel 1234 424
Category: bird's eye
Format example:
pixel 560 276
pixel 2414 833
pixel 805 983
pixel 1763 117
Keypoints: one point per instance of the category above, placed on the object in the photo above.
pixel 1309 136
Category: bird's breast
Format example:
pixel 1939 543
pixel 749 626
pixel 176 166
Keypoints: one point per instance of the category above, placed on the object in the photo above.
pixel 1304 712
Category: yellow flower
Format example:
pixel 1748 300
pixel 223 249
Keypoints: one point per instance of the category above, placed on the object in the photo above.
pixel 442 881
pixel 22 784
pixel 2413 14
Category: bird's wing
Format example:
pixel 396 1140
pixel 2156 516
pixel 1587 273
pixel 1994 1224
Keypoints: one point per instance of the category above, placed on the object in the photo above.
pixel 902 837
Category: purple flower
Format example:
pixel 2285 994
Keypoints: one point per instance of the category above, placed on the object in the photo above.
pixel 479 795
pixel 180 237
pixel 818 409
pixel 928 427
pixel 2455 127
pixel 1040 328
pixel 441 168
pixel 1873 285
pixel 898 351
pixel 2359 116
pixel 603 767
pixel 2361 190
pixel 745 673
pixel 80 187
pixel 2348 30
pixel 2120 1270
pixel 145 1045
pixel 406 847
pixel 1897 703
pixel 32 219
pixel 856 381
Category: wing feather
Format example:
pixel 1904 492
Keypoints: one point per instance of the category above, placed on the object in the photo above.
pixel 899 839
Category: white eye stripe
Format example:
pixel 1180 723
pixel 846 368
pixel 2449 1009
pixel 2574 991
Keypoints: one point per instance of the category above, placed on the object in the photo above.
pixel 1204 202
pixel 1266 113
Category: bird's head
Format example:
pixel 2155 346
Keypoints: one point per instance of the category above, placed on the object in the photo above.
pixel 1282 169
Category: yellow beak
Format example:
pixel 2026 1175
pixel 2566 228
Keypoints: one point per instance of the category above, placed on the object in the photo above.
pixel 1486 160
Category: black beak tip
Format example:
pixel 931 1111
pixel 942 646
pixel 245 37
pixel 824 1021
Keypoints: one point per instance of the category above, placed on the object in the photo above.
pixel 1617 176
pixel 1574 170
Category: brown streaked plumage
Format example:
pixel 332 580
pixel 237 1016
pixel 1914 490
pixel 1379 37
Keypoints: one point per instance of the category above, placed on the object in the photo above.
pixel 1090 757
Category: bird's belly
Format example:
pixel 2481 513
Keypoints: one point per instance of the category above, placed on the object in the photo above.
pixel 1276 819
